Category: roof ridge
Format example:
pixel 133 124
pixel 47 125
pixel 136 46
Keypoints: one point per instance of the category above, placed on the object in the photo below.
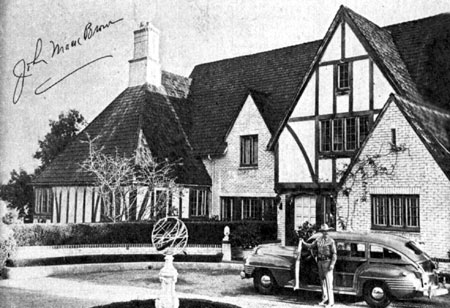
pixel 415 20
pixel 423 104
pixel 365 19
pixel 257 53
pixel 405 83
pixel 173 74
pixel 178 120
pixel 109 106
pixel 385 29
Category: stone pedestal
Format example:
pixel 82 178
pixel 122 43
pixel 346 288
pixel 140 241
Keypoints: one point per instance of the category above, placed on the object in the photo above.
pixel 226 251
pixel 168 277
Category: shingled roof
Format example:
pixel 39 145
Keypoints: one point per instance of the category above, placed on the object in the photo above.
pixel 118 127
pixel 219 88
pixel 384 52
pixel 413 55
pixel 406 52
pixel 424 46
pixel 432 125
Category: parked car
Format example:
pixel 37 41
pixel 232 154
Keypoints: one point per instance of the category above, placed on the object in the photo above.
pixel 380 268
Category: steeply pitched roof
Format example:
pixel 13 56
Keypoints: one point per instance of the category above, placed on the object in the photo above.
pixel 384 52
pixel 414 56
pixel 117 129
pixel 415 41
pixel 219 88
pixel 424 46
pixel 432 125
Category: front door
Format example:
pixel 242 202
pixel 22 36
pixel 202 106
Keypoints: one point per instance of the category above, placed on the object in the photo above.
pixel 305 210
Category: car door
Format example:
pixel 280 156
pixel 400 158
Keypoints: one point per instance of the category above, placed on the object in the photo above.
pixel 309 271
pixel 351 255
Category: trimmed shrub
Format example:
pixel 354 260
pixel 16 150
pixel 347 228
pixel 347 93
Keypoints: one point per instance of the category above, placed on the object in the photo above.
pixel 200 232
pixel 78 234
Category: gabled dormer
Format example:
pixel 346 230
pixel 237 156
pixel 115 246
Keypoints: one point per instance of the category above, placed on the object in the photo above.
pixel 243 175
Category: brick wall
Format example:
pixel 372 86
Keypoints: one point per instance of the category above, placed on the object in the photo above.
pixel 416 172
pixel 228 178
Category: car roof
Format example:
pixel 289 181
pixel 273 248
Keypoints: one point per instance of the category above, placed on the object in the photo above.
pixel 393 241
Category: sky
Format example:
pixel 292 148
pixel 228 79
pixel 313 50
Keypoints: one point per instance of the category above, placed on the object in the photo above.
pixel 192 32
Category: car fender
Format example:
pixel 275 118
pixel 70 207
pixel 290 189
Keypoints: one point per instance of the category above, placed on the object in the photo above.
pixel 281 267
pixel 399 280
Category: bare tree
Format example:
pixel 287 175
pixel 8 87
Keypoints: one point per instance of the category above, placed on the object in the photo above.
pixel 120 179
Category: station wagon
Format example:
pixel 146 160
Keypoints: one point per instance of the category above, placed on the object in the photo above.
pixel 378 267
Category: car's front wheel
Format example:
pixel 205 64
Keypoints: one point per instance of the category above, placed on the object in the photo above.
pixel 264 282
pixel 376 294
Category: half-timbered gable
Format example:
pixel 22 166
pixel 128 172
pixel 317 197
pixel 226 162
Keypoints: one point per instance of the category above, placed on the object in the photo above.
pixel 357 66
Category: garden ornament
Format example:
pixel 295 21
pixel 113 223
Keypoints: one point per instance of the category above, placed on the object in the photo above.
pixel 169 237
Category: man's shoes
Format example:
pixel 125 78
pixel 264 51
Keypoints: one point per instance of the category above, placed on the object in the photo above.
pixel 296 288
pixel 323 303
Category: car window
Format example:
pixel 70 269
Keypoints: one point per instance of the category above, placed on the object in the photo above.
pixel 378 252
pixel 349 249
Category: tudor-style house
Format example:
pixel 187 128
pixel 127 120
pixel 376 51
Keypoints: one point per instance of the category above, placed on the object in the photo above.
pixel 281 134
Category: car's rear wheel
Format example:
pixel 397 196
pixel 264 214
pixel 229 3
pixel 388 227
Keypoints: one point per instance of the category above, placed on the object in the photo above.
pixel 264 282
pixel 376 294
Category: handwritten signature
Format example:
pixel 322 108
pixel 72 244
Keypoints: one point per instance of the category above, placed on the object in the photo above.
pixel 23 69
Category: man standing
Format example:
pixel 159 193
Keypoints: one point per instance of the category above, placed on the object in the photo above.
pixel 326 259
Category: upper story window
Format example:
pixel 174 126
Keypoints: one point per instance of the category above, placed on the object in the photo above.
pixel 395 212
pixel 249 150
pixel 343 134
pixel 343 78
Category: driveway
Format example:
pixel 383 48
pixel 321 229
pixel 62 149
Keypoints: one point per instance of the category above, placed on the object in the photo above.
pixel 92 289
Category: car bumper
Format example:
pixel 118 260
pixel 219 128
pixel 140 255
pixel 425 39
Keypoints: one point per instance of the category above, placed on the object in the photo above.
pixel 434 290
pixel 244 275
pixel 247 272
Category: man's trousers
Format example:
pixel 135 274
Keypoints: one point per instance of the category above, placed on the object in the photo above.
pixel 326 276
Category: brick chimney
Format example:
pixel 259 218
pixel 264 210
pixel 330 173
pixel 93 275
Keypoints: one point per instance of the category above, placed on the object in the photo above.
pixel 145 66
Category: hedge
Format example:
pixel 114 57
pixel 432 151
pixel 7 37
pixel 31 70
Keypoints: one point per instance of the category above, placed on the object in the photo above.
pixel 200 232
pixel 111 259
